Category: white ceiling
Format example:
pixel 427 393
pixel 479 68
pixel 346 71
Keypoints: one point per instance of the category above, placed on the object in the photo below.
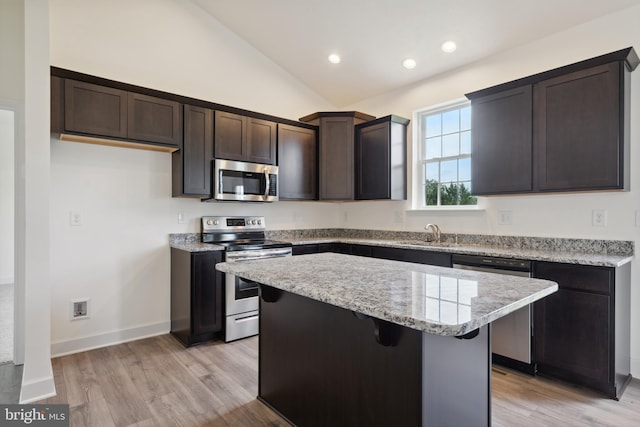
pixel 374 36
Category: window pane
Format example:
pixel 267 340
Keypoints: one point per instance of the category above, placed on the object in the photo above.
pixel 465 142
pixel 451 145
pixel 433 125
pixel 451 121
pixel 433 148
pixel 431 171
pixel 465 118
pixel 464 166
pixel 449 171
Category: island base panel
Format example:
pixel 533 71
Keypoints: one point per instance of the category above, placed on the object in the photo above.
pixel 323 365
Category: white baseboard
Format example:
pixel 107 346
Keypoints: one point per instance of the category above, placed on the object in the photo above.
pixel 39 389
pixel 6 280
pixel 635 367
pixel 78 345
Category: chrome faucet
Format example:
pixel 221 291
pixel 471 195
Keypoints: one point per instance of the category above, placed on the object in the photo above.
pixel 435 230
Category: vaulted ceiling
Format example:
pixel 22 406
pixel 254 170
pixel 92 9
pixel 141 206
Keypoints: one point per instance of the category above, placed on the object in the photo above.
pixel 373 37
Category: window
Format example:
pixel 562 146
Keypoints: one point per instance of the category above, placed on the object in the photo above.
pixel 444 159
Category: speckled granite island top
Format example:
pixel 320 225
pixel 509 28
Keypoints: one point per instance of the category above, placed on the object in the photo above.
pixel 436 300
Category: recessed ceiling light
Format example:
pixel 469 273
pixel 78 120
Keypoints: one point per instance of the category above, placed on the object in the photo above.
pixel 409 63
pixel 334 58
pixel 449 46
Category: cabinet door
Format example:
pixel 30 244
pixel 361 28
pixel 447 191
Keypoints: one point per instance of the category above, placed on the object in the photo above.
pixel 154 119
pixel 578 130
pixel 373 162
pixel 95 110
pixel 336 158
pixel 192 165
pixel 572 336
pixel 502 142
pixel 230 135
pixel 261 141
pixel 297 163
pixel 207 292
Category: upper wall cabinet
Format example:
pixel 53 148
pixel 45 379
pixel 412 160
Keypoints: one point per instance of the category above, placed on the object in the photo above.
pixel 563 130
pixel 88 112
pixel 336 152
pixel 297 162
pixel 380 159
pixel 244 138
pixel 191 166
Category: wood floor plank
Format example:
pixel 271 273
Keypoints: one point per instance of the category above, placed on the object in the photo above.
pixel 157 382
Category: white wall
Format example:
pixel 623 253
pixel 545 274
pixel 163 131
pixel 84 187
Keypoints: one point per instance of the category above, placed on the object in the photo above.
pixel 7 204
pixel 563 215
pixel 119 256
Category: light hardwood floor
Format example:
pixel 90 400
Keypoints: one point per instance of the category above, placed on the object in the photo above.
pixel 157 382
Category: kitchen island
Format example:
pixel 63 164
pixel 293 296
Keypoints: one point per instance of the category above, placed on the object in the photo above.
pixel 347 340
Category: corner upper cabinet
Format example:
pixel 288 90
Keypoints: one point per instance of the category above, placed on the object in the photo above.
pixel 581 128
pixel 87 112
pixel 297 163
pixel 566 129
pixel 380 159
pixel 191 166
pixel 502 143
pixel 336 152
pixel 244 138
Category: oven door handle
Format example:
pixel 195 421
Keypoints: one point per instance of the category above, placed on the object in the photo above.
pixel 251 255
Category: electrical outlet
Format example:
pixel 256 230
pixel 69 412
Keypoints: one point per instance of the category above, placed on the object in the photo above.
pixel 599 218
pixel 505 218
pixel 181 219
pixel 75 218
pixel 80 308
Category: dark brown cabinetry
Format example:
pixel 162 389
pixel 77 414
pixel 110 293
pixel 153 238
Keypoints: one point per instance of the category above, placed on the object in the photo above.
pixel 243 138
pixel 380 153
pixel 502 143
pixel 191 166
pixel 336 152
pixel 562 130
pixel 297 163
pixel 97 111
pixel 196 296
pixel 582 332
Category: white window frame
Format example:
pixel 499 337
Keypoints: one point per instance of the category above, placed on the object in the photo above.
pixel 418 178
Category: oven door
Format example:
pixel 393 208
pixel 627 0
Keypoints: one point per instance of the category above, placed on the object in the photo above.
pixel 241 295
pixel 242 181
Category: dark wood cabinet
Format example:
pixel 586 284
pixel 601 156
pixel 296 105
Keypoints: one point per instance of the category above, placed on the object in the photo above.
pixel 566 129
pixel 582 332
pixel 154 119
pixel 191 166
pixel 297 163
pixel 380 159
pixel 196 296
pixel 95 110
pixel 244 138
pixel 336 152
pixel 579 119
pixel 502 143
pixel 101 114
pixel 441 259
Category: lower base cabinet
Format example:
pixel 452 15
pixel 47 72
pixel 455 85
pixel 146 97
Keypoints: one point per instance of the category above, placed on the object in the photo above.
pixel 582 332
pixel 196 296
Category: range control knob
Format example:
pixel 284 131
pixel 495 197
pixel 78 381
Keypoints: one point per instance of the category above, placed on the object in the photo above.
pixel 259 222
pixel 209 222
pixel 216 222
pixel 252 222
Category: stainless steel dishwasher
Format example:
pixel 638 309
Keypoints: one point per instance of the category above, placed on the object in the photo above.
pixel 512 335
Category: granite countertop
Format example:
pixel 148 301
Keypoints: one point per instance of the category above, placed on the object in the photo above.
pixel 436 300
pixel 605 253
pixel 568 257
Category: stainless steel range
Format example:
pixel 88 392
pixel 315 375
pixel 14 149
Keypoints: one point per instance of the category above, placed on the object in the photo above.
pixel 244 239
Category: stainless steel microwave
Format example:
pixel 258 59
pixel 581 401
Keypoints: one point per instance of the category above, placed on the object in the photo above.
pixel 242 181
